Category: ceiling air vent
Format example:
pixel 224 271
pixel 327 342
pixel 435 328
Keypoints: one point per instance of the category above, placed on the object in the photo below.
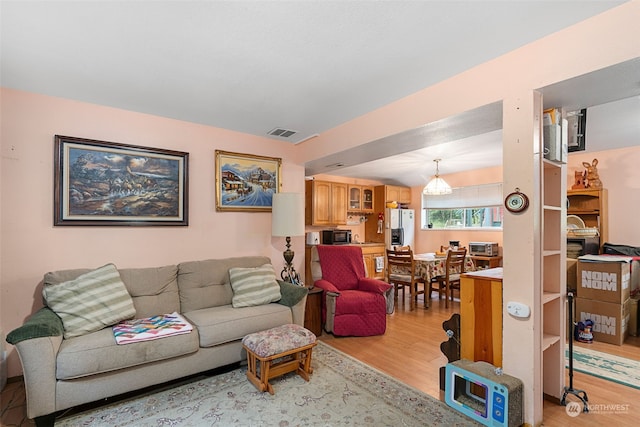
pixel 282 133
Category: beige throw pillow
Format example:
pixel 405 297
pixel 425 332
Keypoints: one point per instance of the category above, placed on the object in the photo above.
pixel 90 302
pixel 254 286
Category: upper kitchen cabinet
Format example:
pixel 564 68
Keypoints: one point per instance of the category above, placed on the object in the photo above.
pixel 360 198
pixel 394 193
pixel 325 203
pixel 355 198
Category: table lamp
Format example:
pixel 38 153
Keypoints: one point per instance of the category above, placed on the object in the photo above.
pixel 287 219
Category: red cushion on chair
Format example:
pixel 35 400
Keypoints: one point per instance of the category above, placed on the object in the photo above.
pixel 346 265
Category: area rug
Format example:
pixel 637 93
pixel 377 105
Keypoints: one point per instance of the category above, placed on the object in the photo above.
pixel 606 366
pixel 342 392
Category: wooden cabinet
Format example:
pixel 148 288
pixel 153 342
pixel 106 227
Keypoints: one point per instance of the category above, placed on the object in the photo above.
pixel 481 316
pixel 360 199
pixel 313 311
pixel 397 194
pixel 591 206
pixel 370 253
pixel 355 198
pixel 553 322
pixel 367 199
pixel 325 203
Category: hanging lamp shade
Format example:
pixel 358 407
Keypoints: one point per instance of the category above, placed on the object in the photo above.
pixel 437 186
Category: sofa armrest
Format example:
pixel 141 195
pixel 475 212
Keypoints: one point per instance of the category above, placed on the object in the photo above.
pixel 37 342
pixel 43 323
pixel 38 358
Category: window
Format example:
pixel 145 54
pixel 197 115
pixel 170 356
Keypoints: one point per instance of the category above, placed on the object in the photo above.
pixel 473 207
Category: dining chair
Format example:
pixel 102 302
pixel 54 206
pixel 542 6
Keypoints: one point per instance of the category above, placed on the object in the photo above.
pixel 401 273
pixel 450 279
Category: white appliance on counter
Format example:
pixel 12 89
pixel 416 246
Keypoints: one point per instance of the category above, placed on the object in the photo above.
pixel 313 238
pixel 399 227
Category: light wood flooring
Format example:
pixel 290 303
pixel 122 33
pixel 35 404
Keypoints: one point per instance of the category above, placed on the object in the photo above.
pixel 410 352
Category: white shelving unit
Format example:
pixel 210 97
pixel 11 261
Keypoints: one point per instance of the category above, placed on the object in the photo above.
pixel 553 265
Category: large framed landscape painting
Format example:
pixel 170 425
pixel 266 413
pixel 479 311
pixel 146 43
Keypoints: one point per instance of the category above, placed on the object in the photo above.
pixel 245 182
pixel 107 183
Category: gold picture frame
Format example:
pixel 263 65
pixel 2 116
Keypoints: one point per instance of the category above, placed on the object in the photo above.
pixel 246 182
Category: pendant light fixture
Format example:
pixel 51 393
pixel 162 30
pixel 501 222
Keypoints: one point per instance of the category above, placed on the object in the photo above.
pixel 437 186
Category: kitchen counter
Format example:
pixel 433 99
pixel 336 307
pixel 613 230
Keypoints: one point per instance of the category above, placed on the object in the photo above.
pixel 488 274
pixel 367 244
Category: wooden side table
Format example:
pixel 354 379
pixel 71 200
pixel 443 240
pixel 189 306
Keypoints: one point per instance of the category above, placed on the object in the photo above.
pixel 313 311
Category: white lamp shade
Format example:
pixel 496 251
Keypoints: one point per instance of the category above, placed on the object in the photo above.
pixel 437 186
pixel 287 214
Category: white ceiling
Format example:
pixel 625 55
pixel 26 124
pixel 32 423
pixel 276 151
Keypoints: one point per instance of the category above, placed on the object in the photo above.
pixel 252 66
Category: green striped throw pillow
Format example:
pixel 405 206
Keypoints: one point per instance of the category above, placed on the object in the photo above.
pixel 91 301
pixel 254 286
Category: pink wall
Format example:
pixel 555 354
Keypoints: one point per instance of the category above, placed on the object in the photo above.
pixel 620 174
pixel 31 245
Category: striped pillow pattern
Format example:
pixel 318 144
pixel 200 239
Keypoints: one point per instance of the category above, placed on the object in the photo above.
pixel 90 302
pixel 254 286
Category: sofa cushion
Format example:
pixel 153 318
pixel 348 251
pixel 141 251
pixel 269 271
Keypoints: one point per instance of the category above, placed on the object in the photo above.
pixel 254 286
pixel 154 290
pixel 90 302
pixel 206 284
pixel 218 325
pixel 97 353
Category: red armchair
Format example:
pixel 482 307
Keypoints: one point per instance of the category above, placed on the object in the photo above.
pixel 353 305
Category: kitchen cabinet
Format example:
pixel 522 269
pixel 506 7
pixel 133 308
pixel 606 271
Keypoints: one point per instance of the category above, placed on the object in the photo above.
pixel 325 203
pixel 355 198
pixel 591 206
pixel 369 253
pixel 397 194
pixel 367 199
pixel 360 199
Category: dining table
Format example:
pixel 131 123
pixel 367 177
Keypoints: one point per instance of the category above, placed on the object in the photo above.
pixel 429 266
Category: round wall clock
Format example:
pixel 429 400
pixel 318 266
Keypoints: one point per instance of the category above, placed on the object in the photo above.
pixel 516 202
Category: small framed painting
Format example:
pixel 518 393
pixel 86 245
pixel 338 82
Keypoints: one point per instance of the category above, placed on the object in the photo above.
pixel 246 182
pixel 107 183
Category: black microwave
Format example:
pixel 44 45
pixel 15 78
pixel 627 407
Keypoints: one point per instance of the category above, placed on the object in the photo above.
pixel 336 237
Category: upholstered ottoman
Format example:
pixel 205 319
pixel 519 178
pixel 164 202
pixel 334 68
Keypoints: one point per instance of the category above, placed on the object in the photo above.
pixel 278 351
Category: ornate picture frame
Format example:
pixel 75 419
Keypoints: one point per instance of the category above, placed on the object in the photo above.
pixel 246 182
pixel 99 183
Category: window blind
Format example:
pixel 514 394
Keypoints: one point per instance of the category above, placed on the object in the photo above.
pixel 474 196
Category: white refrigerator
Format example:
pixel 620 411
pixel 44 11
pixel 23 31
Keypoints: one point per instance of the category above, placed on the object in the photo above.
pixel 399 227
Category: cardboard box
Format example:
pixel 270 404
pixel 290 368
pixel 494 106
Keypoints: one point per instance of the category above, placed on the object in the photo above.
pixel 604 278
pixel 610 321
pixel 633 316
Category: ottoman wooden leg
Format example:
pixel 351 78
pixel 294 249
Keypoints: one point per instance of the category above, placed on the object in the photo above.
pixel 252 373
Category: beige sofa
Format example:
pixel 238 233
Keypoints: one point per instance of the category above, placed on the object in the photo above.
pixel 61 373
